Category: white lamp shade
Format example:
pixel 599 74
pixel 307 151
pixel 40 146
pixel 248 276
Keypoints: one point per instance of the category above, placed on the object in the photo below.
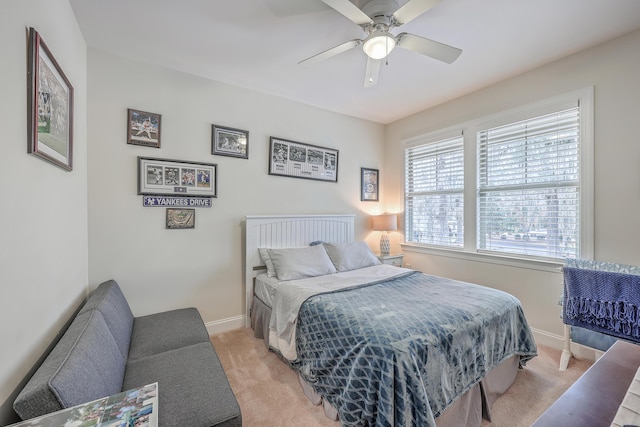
pixel 378 45
pixel 386 222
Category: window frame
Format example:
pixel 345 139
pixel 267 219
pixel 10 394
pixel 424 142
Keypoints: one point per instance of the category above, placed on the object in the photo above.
pixel 435 138
pixel 584 98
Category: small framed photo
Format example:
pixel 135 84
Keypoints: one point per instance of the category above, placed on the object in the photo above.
pixel 230 142
pixel 176 178
pixel 369 184
pixel 143 128
pixel 50 105
pixel 181 218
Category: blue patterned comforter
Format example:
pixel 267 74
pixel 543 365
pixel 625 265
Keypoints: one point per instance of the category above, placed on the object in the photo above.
pixel 399 352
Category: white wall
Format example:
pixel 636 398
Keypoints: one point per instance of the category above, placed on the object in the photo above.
pixel 43 220
pixel 161 269
pixel 612 69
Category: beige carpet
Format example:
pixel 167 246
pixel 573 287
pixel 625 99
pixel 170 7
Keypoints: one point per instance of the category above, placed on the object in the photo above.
pixel 270 396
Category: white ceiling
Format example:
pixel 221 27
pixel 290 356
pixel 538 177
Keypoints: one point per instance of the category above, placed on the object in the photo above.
pixel 257 44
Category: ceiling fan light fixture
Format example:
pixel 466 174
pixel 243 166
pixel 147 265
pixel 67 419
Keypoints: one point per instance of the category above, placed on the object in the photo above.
pixel 379 44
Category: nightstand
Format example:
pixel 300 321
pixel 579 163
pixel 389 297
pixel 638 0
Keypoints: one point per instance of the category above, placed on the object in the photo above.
pixel 393 259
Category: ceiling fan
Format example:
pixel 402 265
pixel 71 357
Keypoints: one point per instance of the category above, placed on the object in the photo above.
pixel 377 18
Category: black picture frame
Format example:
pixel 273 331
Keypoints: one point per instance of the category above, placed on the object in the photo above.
pixel 369 185
pixel 143 128
pixel 299 160
pixel 50 106
pixel 231 142
pixel 180 218
pixel 177 178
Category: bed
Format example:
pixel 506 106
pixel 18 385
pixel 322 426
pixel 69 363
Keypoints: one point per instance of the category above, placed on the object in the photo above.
pixel 378 344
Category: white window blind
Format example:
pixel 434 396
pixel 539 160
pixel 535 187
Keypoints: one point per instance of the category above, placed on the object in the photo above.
pixel 434 193
pixel 529 186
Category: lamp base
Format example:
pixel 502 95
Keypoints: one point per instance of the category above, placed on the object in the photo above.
pixel 385 245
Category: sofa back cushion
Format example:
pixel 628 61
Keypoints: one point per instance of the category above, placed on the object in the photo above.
pixel 94 367
pixel 110 301
pixel 85 365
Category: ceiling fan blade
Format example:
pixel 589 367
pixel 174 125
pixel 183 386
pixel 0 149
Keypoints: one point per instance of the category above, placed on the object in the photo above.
pixel 434 49
pixel 350 10
pixel 412 9
pixel 372 71
pixel 332 52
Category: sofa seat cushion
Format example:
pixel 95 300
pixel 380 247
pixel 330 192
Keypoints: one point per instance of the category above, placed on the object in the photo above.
pixel 110 301
pixel 85 365
pixel 169 330
pixel 193 389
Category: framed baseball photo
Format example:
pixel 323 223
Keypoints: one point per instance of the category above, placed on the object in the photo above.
pixel 369 183
pixel 176 178
pixel 50 102
pixel 299 160
pixel 230 142
pixel 181 218
pixel 143 128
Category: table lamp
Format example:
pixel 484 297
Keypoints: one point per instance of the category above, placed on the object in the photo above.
pixel 384 223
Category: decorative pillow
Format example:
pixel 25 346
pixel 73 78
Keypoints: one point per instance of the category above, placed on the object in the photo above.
pixel 298 263
pixel 351 256
pixel 264 254
pixel 317 242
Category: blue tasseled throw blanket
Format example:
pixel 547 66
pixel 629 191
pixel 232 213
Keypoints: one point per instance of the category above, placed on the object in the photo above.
pixel 603 301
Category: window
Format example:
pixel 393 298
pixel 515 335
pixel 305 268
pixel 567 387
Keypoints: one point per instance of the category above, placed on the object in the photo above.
pixel 533 198
pixel 434 193
pixel 529 186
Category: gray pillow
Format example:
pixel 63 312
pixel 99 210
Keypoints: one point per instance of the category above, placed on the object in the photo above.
pixel 264 254
pixel 351 256
pixel 298 263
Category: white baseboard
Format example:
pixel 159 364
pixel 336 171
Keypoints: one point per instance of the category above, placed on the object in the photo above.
pixel 225 325
pixel 548 339
pixel 557 341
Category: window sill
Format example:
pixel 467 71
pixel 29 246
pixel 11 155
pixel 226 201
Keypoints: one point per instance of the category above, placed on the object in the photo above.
pixel 541 265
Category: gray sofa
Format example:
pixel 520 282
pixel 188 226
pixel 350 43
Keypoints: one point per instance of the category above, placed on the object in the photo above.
pixel 106 350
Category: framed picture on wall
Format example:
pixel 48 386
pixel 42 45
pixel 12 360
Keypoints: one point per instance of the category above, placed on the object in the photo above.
pixel 369 184
pixel 50 105
pixel 298 160
pixel 176 178
pixel 143 128
pixel 230 142
pixel 181 218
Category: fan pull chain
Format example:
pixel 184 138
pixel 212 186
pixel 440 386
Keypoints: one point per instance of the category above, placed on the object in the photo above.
pixel 386 48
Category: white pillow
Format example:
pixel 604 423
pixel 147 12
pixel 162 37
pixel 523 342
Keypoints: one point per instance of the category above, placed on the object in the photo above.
pixel 264 254
pixel 351 256
pixel 298 263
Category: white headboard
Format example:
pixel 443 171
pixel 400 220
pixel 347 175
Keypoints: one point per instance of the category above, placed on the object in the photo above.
pixel 287 231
